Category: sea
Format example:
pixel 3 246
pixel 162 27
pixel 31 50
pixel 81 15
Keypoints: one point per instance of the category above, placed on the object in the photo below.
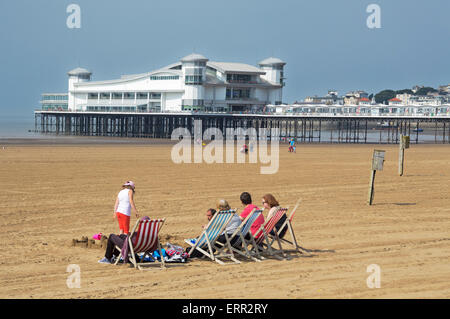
pixel 17 127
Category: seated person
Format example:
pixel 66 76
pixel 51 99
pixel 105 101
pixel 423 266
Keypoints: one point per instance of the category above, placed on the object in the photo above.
pixel 231 227
pixel 272 204
pixel 116 240
pixel 111 251
pixel 209 215
pixel 246 200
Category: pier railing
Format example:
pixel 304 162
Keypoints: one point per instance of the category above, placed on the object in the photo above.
pixel 444 114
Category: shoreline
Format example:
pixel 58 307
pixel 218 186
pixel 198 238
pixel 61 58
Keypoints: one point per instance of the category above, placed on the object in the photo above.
pixel 105 141
pixel 80 140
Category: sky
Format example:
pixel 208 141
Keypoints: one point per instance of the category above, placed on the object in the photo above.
pixel 326 44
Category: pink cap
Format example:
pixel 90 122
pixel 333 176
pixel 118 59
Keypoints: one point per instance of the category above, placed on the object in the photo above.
pixel 129 183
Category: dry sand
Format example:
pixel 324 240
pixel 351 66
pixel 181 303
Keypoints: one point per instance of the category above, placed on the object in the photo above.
pixel 51 194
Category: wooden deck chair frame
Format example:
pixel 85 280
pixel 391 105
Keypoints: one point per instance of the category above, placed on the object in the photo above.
pixel 263 244
pixel 132 258
pixel 244 243
pixel 214 230
pixel 288 223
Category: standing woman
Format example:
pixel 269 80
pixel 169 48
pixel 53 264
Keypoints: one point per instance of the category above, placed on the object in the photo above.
pixel 123 206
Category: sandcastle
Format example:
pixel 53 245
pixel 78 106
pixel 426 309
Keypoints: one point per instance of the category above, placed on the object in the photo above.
pixel 85 242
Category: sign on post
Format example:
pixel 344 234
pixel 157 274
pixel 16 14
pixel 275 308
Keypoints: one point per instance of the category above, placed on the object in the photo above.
pixel 378 160
pixel 404 142
pixel 377 165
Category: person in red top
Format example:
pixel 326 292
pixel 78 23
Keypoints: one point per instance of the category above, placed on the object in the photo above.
pixel 246 200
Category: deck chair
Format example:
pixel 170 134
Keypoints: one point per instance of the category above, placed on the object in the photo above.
pixel 206 242
pixel 145 241
pixel 240 246
pixel 263 242
pixel 288 223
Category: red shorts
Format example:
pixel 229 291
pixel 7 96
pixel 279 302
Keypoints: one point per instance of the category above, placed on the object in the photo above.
pixel 124 222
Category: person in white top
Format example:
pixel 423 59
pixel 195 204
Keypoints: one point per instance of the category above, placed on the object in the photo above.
pixel 123 206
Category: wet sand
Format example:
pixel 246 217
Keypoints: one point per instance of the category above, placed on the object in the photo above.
pixel 51 194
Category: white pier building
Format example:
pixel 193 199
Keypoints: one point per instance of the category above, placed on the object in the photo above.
pixel 192 84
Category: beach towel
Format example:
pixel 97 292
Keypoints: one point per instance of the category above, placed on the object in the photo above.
pixel 176 253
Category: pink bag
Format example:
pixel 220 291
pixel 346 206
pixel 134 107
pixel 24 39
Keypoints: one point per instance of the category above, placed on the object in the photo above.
pixel 97 236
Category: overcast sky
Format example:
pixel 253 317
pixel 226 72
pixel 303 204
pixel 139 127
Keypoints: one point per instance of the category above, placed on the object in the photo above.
pixel 325 43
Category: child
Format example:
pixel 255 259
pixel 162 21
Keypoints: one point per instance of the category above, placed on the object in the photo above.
pixel 124 204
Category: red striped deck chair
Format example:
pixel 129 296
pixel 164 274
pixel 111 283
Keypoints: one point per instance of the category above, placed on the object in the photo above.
pixel 263 242
pixel 145 241
pixel 288 223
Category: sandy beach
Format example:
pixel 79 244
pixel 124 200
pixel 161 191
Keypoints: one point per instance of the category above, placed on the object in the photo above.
pixel 54 192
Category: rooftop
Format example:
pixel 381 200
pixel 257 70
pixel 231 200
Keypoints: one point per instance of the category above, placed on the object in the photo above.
pixel 194 57
pixel 235 67
pixel 271 61
pixel 79 71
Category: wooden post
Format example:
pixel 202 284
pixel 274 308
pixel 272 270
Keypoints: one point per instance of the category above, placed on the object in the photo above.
pixel 371 189
pixel 401 159
pixel 404 143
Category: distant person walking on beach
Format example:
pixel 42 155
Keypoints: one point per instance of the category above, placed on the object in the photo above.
pixel 292 145
pixel 244 148
pixel 124 205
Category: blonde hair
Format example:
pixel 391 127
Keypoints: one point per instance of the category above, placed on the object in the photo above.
pixel 128 186
pixel 222 204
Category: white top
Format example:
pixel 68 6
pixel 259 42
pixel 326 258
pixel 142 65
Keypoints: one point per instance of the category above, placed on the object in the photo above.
pixel 124 206
pixel 232 225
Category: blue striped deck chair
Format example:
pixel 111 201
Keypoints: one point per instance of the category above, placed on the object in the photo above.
pixel 206 242
pixel 240 245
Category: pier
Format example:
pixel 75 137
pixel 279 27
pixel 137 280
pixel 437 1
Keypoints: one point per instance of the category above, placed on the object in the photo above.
pixel 305 128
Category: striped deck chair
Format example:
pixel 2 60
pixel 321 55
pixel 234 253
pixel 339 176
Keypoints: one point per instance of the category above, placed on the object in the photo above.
pixel 288 223
pixel 145 241
pixel 206 242
pixel 240 246
pixel 263 241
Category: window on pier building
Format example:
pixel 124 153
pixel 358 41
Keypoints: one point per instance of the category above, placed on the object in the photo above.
pixel 192 105
pixel 93 96
pixel 164 77
pixel 233 93
pixel 128 96
pixel 117 96
pixel 239 78
pixel 54 107
pixel 104 96
pixel 193 79
pixel 50 97
pixel 142 96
